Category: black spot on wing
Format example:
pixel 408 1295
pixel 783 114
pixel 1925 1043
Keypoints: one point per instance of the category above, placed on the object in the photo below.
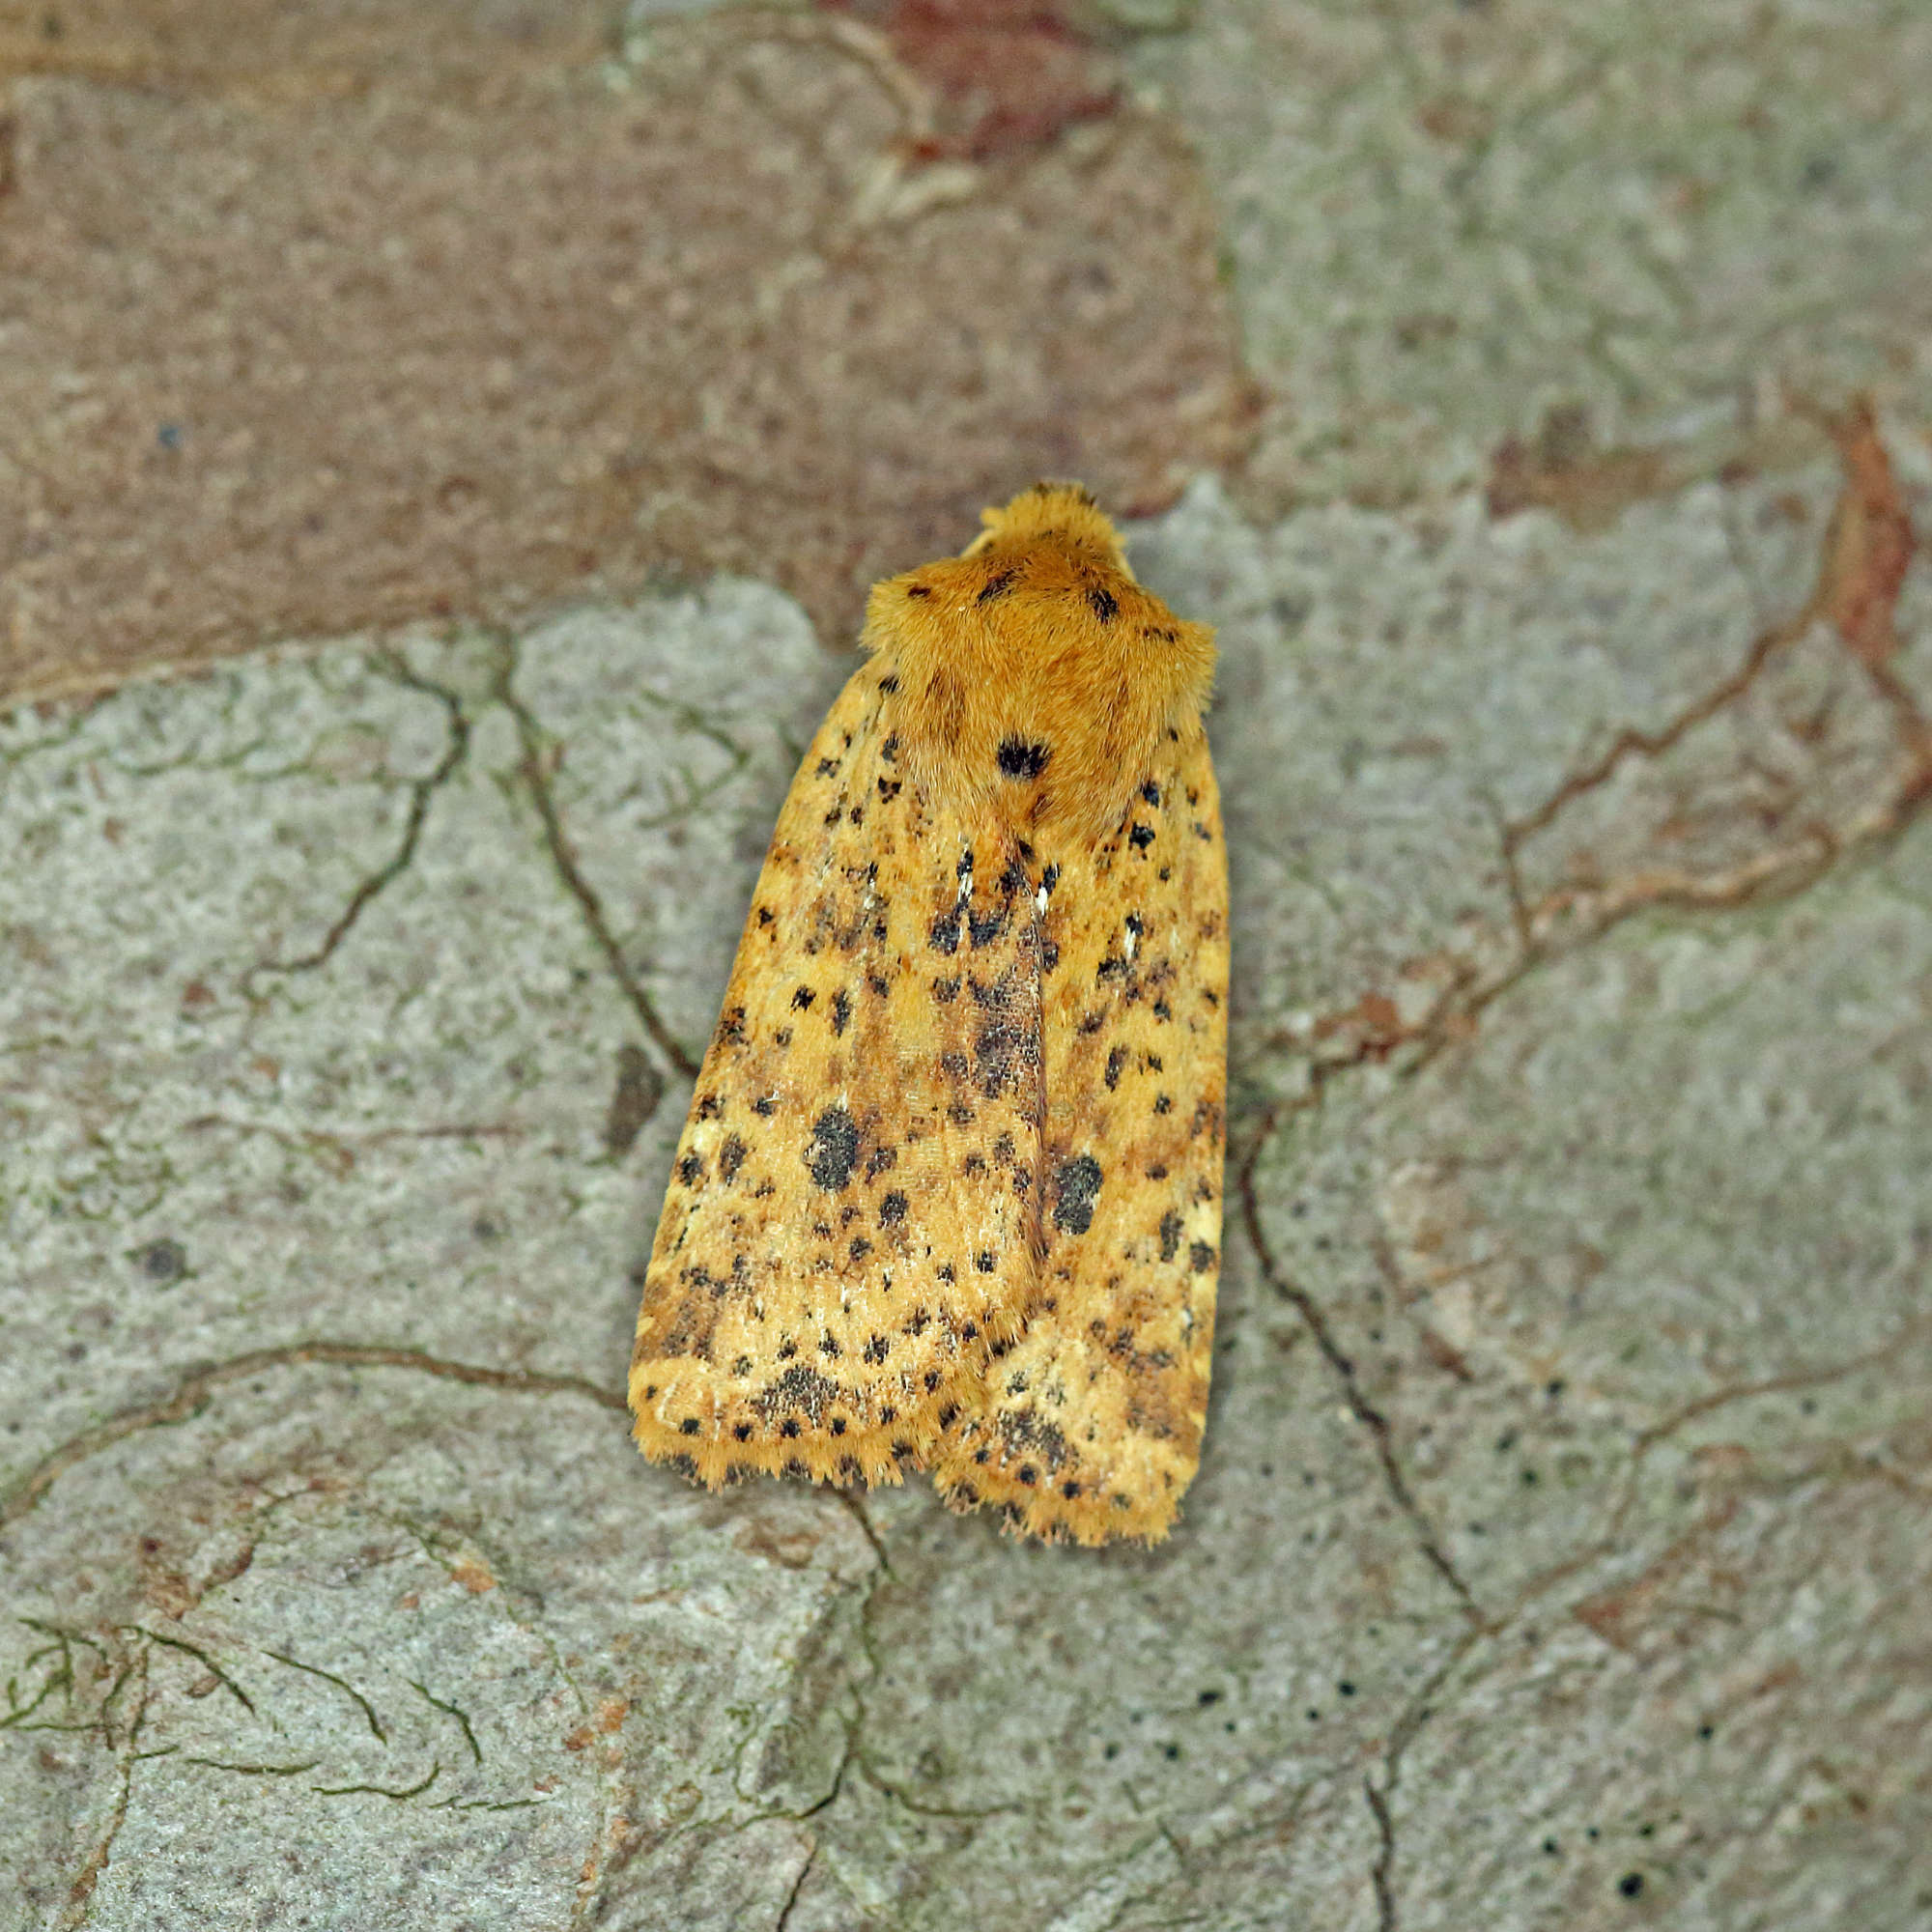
pixel 800 1391
pixel 983 929
pixel 833 1150
pixel 1076 1184
pixel 1170 1236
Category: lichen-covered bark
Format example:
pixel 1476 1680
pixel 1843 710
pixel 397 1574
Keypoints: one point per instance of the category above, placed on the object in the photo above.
pixel 1562 1510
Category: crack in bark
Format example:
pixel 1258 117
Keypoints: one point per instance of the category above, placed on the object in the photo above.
pixel 1661 1431
pixel 1563 920
pixel 449 1710
pixel 250 1769
pixel 343 1684
pixel 1858 611
pixel 196 1388
pixel 200 1655
pixel 1343 1368
pixel 968 1814
pixel 1786 1384
pixel 1539 925
pixel 421 791
pixel 849 1755
pixel 1631 742
pixel 400 1794
pixel 1402 1734
pixel 1381 1873
pixel 855 1506
pixel 792 1898
pixel 1481 1626
pixel 81 1890
pixel 537 770
pixel 1676 1553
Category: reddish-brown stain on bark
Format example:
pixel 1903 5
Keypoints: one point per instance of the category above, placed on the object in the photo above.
pixel 1564 473
pixel 1870 546
pixel 1009 74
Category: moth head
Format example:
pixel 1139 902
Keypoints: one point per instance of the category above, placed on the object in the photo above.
pixel 1062 513
pixel 1033 676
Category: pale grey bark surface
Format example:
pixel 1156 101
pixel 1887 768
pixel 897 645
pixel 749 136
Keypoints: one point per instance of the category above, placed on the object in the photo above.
pixel 1562 1521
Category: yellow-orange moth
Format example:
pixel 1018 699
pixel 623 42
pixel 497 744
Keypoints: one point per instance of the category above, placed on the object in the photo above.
pixel 950 1192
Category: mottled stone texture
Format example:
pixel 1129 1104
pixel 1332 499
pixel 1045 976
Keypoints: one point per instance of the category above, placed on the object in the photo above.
pixel 1460 226
pixel 1560 1553
pixel 349 322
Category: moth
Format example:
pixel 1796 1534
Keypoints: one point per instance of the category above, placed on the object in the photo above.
pixel 949 1196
